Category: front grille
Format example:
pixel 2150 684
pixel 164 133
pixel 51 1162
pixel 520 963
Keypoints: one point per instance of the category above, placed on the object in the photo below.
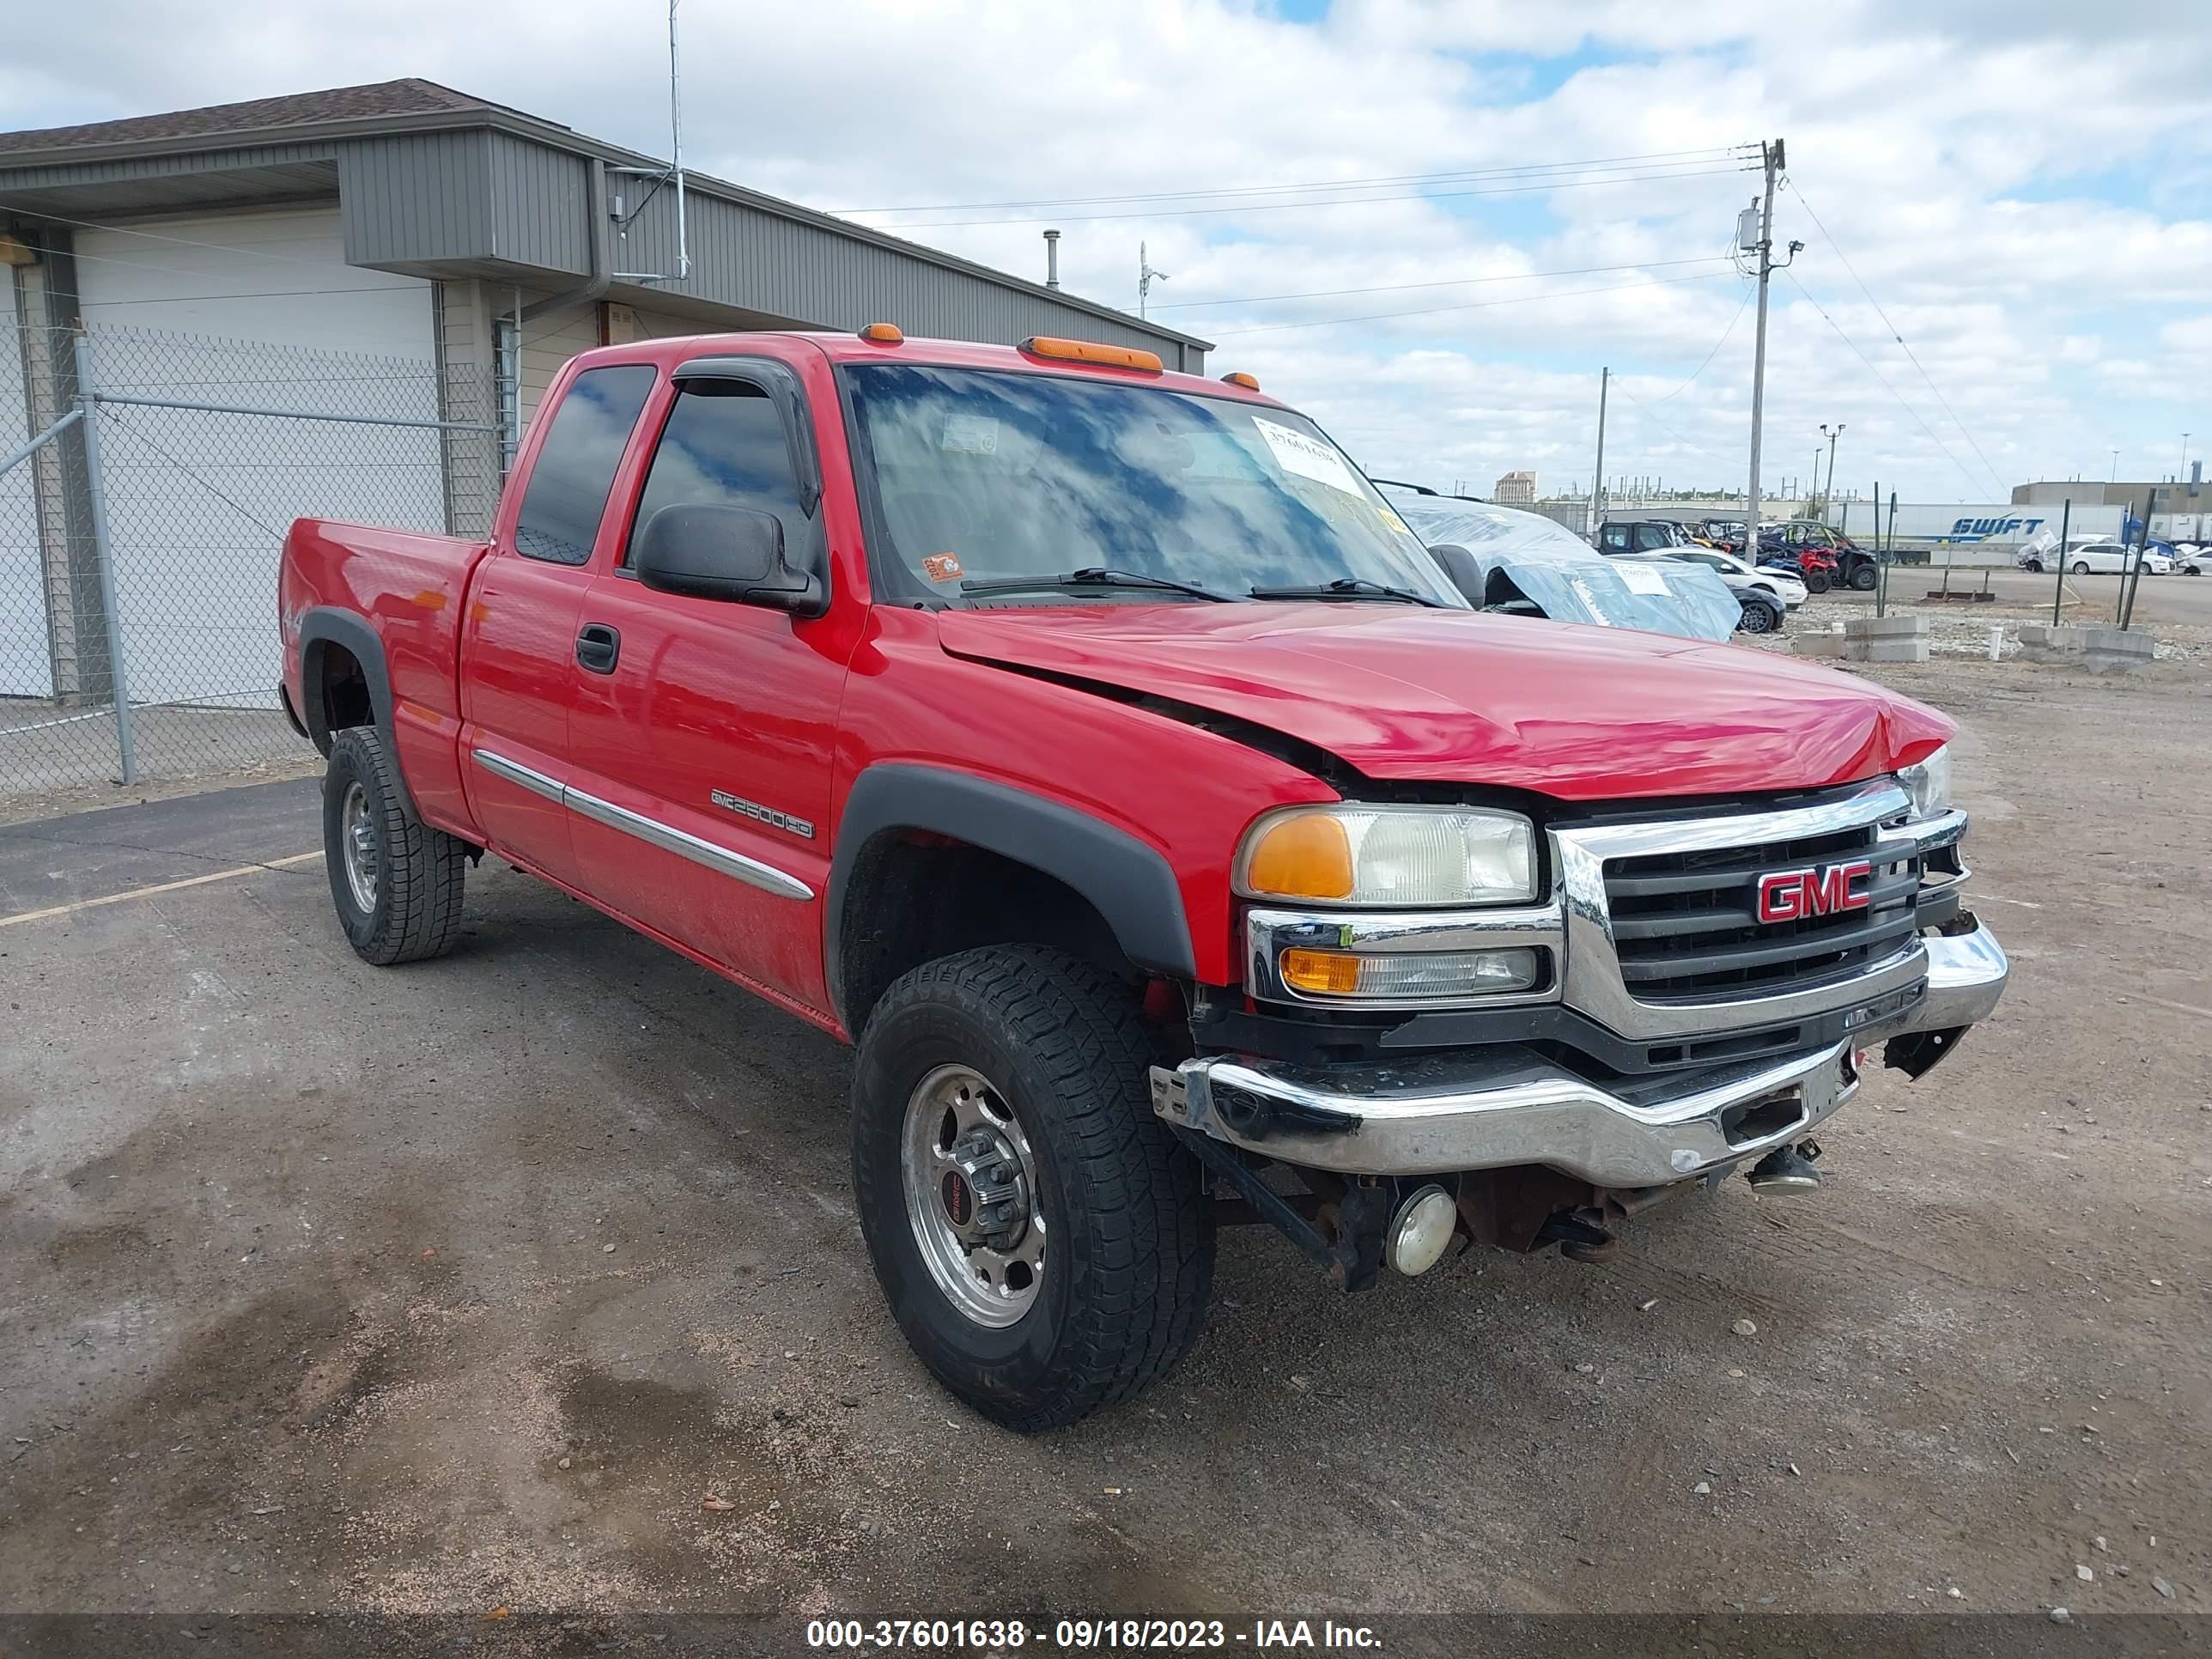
pixel 1687 929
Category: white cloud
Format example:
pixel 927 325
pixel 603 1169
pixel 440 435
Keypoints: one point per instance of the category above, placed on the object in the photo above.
pixel 1988 168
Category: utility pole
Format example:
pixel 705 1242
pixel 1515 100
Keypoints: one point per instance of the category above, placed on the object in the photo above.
pixel 1145 277
pixel 1597 478
pixel 1052 259
pixel 2116 467
pixel 1828 495
pixel 1761 243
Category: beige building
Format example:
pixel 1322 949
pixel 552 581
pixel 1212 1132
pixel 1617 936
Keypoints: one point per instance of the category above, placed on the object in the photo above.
pixel 1516 490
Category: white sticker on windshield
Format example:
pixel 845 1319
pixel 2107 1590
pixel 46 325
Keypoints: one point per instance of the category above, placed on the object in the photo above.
pixel 1641 578
pixel 970 435
pixel 1309 458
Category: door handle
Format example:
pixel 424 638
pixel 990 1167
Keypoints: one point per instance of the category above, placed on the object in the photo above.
pixel 598 647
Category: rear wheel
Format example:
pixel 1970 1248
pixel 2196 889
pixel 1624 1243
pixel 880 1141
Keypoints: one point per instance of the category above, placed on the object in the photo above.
pixel 397 883
pixel 2081 566
pixel 1759 618
pixel 1045 1245
pixel 1863 578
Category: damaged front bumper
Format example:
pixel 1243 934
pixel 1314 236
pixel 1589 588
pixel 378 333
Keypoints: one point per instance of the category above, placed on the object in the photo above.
pixel 1503 1107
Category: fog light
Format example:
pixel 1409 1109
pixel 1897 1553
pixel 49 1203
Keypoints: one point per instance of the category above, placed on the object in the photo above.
pixel 1426 974
pixel 1421 1232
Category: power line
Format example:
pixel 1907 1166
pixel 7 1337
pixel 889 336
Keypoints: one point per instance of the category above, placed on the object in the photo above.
pixel 1621 385
pixel 1829 237
pixel 1714 353
pixel 1351 201
pixel 1472 305
pixel 1972 480
pixel 1711 153
pixel 156 236
pixel 1444 282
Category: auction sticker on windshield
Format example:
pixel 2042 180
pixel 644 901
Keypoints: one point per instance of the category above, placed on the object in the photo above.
pixel 1641 579
pixel 1309 457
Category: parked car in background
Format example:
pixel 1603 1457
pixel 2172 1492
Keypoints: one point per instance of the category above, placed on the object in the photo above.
pixel 1765 596
pixel 2194 561
pixel 1517 563
pixel 1641 535
pixel 2109 558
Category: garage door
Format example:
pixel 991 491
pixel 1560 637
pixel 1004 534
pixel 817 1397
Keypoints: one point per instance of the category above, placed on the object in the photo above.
pixel 277 277
pixel 258 310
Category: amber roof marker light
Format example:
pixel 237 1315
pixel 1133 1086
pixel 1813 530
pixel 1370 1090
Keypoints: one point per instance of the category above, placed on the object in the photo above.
pixel 1238 377
pixel 884 334
pixel 1090 351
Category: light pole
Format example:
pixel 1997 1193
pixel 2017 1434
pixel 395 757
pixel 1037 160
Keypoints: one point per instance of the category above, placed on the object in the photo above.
pixel 2116 467
pixel 1828 495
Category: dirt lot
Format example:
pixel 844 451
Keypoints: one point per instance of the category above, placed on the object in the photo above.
pixel 460 1287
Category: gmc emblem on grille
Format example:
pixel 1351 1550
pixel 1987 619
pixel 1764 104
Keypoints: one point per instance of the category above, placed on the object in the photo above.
pixel 1797 894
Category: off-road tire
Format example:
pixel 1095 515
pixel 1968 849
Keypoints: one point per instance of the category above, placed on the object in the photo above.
pixel 420 871
pixel 1816 584
pixel 1863 579
pixel 1130 1226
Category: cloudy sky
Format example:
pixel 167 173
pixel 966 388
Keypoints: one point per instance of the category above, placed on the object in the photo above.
pixel 2021 190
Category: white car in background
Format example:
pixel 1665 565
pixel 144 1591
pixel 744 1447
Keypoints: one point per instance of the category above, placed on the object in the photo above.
pixel 1744 578
pixel 2191 560
pixel 2110 558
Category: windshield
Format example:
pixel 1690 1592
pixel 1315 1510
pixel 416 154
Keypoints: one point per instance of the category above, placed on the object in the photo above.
pixel 984 476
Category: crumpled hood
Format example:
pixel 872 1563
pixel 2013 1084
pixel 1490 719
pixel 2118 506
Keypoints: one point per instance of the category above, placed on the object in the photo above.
pixel 1571 712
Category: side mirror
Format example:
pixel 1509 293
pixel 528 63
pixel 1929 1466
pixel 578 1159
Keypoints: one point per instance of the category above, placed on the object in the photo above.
pixel 1462 570
pixel 713 551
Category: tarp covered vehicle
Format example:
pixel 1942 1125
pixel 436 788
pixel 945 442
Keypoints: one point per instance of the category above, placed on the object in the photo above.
pixel 1525 562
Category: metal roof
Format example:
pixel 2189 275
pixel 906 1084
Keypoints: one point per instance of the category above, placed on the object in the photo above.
pixel 47 159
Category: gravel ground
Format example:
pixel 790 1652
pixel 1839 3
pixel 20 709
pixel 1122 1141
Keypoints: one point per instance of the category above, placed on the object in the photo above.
pixel 463 1286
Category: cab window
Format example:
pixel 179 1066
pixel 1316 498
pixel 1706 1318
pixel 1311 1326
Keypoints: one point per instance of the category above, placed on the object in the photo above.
pixel 575 471
pixel 723 445
pixel 1613 538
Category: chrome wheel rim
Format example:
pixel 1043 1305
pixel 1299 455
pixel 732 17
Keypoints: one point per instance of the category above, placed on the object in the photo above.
pixel 971 1196
pixel 357 841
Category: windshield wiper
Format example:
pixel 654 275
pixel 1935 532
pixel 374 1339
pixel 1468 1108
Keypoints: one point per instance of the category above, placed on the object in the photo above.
pixel 1350 587
pixel 1092 575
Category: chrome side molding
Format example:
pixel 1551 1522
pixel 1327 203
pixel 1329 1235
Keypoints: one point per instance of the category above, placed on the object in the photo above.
pixel 667 837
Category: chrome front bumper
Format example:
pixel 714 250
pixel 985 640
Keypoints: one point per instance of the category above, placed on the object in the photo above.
pixel 1501 1107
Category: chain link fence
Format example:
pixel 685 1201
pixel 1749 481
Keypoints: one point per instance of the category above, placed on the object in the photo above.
pixel 146 483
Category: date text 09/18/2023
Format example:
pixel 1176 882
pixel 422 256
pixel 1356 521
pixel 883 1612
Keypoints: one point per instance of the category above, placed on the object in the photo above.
pixel 1090 1635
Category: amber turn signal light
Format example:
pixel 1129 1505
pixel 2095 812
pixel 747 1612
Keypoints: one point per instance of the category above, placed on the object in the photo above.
pixel 1323 972
pixel 884 334
pixel 1240 378
pixel 1090 351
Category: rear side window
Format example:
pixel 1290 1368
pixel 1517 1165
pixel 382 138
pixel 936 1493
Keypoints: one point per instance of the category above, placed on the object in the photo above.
pixel 724 445
pixel 575 467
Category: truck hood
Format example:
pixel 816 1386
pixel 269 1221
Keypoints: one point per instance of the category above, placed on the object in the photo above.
pixel 1572 711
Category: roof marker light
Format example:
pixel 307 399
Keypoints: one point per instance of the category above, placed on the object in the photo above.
pixel 884 334
pixel 1240 378
pixel 1090 351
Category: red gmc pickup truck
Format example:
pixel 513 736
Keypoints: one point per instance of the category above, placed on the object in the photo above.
pixel 1096 750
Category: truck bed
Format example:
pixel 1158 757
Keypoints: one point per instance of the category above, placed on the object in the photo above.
pixel 410 588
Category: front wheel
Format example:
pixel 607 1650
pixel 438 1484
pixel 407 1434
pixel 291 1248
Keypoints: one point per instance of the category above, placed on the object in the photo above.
pixel 1863 578
pixel 1045 1245
pixel 1817 582
pixel 1759 618
pixel 2035 566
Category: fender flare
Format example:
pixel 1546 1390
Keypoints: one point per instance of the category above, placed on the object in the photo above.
pixel 326 625
pixel 1131 883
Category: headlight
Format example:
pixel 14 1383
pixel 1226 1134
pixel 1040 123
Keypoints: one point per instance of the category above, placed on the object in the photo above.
pixel 1424 856
pixel 1929 783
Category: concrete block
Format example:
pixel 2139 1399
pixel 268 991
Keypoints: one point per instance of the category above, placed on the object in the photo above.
pixel 1831 647
pixel 1885 628
pixel 1892 651
pixel 2110 650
